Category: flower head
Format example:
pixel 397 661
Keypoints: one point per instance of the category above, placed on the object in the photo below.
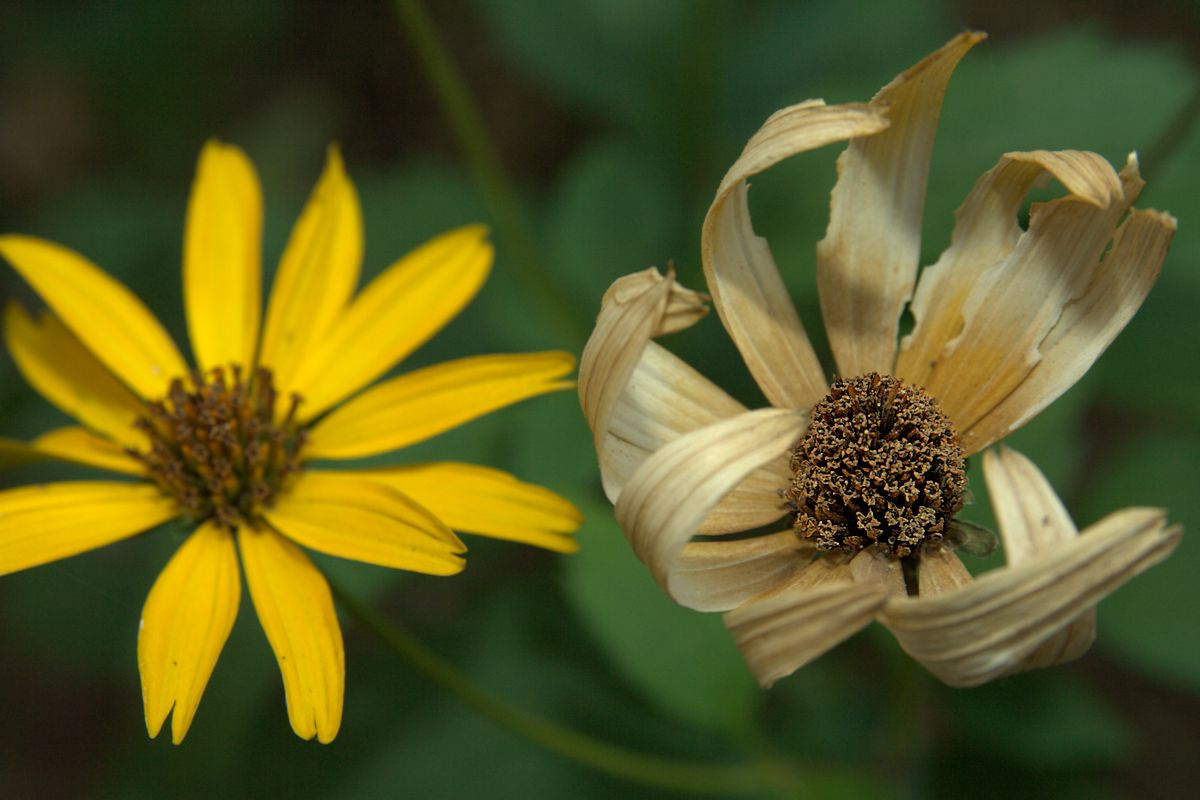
pixel 227 445
pixel 869 472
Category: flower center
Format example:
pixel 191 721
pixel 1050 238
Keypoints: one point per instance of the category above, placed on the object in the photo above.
pixel 217 448
pixel 880 464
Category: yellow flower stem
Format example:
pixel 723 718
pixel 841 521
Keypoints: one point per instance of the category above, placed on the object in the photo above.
pixel 668 774
pixel 488 172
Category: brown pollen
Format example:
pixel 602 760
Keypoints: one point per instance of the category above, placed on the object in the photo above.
pixel 880 464
pixel 216 446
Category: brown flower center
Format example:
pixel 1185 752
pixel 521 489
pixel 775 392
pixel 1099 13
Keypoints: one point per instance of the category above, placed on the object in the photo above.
pixel 217 447
pixel 880 464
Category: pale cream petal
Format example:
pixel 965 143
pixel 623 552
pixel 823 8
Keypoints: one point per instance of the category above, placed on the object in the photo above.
pixel 317 274
pixel 43 523
pixel 787 627
pixel 666 398
pixel 1033 521
pixel 109 319
pixel 343 515
pixel 425 402
pixel 69 376
pixel 724 574
pixel 184 625
pixel 746 286
pixel 867 262
pixel 1013 310
pixel 940 571
pixel 485 501
pixel 991 626
pixel 222 258
pixel 83 447
pixel 672 492
pixel 397 312
pixel 985 233
pixel 635 309
pixel 637 396
pixel 295 608
pixel 1087 325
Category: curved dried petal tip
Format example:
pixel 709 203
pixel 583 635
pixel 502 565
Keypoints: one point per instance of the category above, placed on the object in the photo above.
pixel 635 309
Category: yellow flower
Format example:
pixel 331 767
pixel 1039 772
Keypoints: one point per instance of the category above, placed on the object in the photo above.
pixel 870 471
pixel 227 445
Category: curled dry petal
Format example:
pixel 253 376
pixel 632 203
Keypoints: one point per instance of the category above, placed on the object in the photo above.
pixel 788 626
pixel 746 286
pixel 671 493
pixel 635 309
pixel 1000 622
pixel 993 358
pixel 867 262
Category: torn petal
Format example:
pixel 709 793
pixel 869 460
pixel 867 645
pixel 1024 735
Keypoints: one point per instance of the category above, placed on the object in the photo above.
pixel 748 291
pixel 867 262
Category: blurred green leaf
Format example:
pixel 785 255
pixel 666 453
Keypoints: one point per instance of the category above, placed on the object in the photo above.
pixel 1041 720
pixel 684 661
pixel 611 214
pixel 1148 621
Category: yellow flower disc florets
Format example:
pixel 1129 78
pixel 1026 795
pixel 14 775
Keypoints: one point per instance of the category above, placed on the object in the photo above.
pixel 217 448
pixel 880 464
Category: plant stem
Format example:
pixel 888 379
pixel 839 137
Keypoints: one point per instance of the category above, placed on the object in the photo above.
pixel 488 172
pixel 677 775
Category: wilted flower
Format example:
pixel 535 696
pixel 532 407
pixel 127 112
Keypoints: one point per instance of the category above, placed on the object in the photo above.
pixel 226 445
pixel 870 470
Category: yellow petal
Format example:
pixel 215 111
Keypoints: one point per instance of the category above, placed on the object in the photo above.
pixel 1052 288
pixel 343 515
pixel 426 402
pixel 672 492
pixel 108 318
pixel 82 447
pixel 485 501
pixel 222 258
pixel 69 376
pixel 746 286
pixel 184 625
pixel 317 274
pixel 867 262
pixel 401 309
pixel 635 308
pixel 14 453
pixel 295 608
pixel 44 523
pixel 795 622
pixel 995 624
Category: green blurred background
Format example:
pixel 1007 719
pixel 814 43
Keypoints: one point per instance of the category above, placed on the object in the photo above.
pixel 616 120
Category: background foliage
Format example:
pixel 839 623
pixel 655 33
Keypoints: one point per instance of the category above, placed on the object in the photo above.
pixel 616 119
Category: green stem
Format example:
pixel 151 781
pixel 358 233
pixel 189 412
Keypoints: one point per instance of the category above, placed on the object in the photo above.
pixel 676 775
pixel 489 174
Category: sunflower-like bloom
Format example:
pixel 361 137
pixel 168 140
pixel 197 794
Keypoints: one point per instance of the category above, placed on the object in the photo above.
pixel 869 471
pixel 227 445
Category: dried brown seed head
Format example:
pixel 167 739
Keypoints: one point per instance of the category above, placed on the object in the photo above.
pixel 880 464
